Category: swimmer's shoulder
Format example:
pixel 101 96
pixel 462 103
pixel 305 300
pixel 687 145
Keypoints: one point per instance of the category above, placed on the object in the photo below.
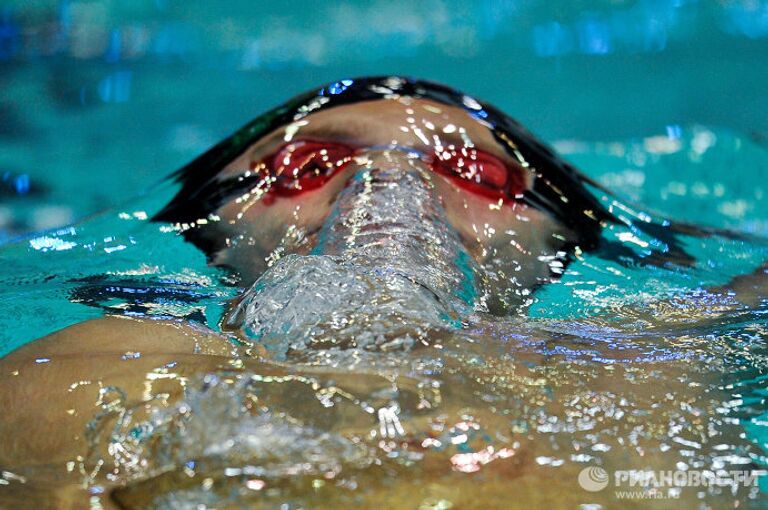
pixel 120 334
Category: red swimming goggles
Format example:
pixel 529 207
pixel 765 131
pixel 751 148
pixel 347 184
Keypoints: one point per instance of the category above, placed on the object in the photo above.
pixel 306 165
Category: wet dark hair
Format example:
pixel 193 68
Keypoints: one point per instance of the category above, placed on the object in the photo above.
pixel 559 189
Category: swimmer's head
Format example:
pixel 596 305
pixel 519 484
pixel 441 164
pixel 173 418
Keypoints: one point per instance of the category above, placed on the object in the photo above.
pixel 267 191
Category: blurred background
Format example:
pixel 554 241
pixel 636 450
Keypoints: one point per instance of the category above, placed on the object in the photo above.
pixel 101 99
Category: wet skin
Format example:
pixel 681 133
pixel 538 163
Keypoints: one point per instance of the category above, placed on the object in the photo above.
pixel 254 227
pixel 51 404
pixel 52 388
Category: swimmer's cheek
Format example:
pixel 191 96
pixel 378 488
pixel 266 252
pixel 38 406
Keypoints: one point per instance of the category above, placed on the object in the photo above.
pixel 252 234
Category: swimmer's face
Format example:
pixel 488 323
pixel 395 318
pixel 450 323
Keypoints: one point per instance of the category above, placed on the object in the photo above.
pixel 285 185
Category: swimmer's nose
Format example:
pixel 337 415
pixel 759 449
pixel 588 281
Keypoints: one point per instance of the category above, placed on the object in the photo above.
pixel 389 201
pixel 390 214
pixel 393 165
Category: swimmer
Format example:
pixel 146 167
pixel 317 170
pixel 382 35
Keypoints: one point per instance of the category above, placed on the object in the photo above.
pixel 371 224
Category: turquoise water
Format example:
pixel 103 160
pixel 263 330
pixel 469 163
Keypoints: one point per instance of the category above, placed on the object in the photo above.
pixel 102 98
pixel 601 313
pixel 687 174
pixel 694 175
pixel 661 102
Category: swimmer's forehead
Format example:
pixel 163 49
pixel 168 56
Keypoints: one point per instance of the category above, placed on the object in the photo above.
pixel 421 124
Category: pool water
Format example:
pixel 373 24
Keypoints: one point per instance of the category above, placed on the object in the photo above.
pixel 615 358
pixel 56 278
pixel 101 99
